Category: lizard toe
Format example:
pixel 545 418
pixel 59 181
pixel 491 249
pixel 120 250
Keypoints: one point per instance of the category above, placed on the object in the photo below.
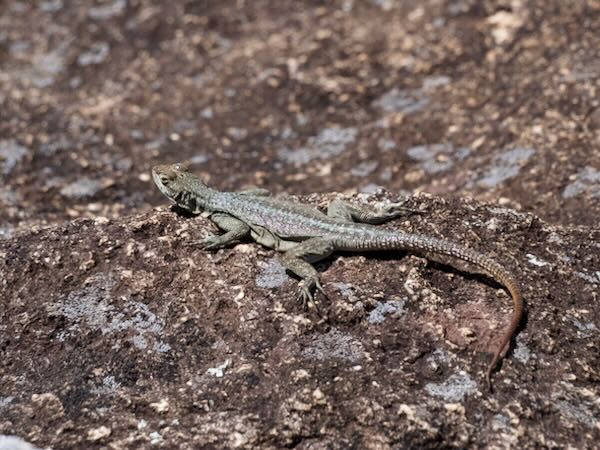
pixel 398 209
pixel 319 287
pixel 306 294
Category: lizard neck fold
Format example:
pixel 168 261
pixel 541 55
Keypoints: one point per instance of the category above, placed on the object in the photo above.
pixel 196 198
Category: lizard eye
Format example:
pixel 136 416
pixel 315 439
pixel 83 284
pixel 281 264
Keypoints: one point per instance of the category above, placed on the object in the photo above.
pixel 180 167
pixel 164 180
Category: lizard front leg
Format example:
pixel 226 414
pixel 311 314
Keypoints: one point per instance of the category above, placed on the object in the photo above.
pixel 299 259
pixel 235 230
pixel 353 213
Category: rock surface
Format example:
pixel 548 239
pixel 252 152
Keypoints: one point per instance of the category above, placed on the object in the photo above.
pixel 117 334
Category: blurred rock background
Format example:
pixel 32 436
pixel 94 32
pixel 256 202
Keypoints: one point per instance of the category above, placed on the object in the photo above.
pixel 493 99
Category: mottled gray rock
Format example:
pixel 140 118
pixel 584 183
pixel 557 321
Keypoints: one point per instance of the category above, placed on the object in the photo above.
pixel 11 153
pixel 84 187
pixel 328 143
pixel 402 101
pixel 15 443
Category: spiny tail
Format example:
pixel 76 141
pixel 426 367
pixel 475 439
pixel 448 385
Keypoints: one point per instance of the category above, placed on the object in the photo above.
pixel 434 246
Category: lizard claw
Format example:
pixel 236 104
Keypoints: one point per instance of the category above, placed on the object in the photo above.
pixel 319 288
pixel 305 296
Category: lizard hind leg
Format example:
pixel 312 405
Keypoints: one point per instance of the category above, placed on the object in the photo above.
pixel 348 212
pixel 299 259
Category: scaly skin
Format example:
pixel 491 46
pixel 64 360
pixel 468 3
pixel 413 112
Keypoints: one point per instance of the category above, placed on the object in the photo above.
pixel 306 235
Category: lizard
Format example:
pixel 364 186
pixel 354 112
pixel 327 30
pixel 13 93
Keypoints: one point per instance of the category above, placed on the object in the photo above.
pixel 305 235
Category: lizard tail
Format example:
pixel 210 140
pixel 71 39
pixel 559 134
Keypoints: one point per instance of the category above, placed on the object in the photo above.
pixel 499 274
pixel 433 246
pixel 511 285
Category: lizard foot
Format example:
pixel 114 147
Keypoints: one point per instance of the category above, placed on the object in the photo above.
pixel 394 210
pixel 306 290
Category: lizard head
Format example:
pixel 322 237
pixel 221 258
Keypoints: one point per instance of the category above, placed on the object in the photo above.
pixel 180 186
